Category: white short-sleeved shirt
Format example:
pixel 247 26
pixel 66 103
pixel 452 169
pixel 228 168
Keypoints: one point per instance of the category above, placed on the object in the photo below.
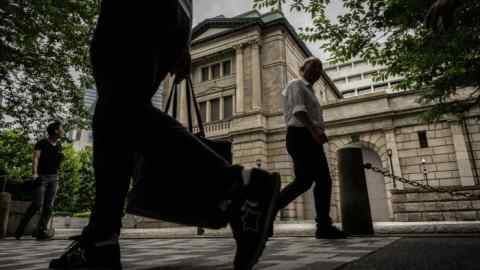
pixel 299 96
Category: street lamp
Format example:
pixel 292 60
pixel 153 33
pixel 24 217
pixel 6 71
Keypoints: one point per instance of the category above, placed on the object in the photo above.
pixel 425 174
pixel 259 163
pixel 390 153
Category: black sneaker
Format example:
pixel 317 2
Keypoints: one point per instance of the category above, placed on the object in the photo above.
pixel 82 254
pixel 18 235
pixel 330 232
pixel 255 215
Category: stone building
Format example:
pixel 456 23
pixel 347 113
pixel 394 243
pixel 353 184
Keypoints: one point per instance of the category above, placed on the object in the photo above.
pixel 240 66
pixel 358 77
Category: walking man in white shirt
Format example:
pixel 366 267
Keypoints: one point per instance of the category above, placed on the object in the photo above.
pixel 305 138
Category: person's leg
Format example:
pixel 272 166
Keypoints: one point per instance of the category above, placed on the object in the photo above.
pixel 322 191
pixel 37 201
pixel 322 194
pixel 51 184
pixel 113 165
pixel 299 148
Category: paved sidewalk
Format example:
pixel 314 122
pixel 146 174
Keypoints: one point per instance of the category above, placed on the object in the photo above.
pixel 298 229
pixel 300 253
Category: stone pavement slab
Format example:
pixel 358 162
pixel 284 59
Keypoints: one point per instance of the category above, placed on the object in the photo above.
pixel 300 253
pixel 419 253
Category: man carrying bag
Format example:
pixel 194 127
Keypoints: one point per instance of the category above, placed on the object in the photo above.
pixel 135 46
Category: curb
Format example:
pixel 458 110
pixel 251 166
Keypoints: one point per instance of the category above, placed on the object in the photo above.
pixel 295 230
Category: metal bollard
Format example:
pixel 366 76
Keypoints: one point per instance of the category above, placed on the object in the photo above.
pixel 355 206
pixel 5 200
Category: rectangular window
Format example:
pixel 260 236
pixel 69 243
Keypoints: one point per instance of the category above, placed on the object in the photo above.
pixel 79 135
pixel 422 138
pixel 358 63
pixel 227 68
pixel 205 75
pixel 203 111
pixel 364 90
pixel 345 67
pixel 227 107
pixel 331 69
pixel 348 93
pixel 354 78
pixel 381 87
pixel 369 75
pixel 339 81
pixel 215 71
pixel 215 113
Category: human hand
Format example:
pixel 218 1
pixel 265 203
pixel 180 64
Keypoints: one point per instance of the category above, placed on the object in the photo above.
pixel 183 67
pixel 319 135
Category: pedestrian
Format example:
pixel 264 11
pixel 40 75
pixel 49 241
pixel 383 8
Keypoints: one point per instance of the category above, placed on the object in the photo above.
pixel 305 138
pixel 47 156
pixel 135 45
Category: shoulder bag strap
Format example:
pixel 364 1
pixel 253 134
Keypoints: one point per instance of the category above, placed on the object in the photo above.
pixel 197 109
pixel 169 100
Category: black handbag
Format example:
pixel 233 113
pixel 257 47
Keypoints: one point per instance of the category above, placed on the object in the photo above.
pixel 221 147
pixel 31 184
pixel 186 201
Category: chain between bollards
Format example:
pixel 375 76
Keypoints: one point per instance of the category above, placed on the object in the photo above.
pixel 385 173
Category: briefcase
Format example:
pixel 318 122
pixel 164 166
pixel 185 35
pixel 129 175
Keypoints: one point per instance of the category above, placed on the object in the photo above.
pixel 199 204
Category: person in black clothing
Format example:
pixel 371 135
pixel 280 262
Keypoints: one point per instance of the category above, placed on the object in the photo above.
pixel 47 156
pixel 135 45
pixel 305 138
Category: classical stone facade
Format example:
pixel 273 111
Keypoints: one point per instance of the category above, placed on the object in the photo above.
pixel 241 65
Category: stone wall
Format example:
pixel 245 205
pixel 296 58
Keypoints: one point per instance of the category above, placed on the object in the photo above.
pixel 439 156
pixel 473 126
pixel 415 205
pixel 274 70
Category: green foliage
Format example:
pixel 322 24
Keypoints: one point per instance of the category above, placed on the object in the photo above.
pixel 44 63
pixel 440 65
pixel 77 183
pixel 82 215
pixel 86 189
pixel 69 180
pixel 15 155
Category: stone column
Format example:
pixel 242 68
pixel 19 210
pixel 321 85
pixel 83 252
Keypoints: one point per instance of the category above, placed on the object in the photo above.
pixel 392 144
pixel 461 152
pixel 222 109
pixel 208 112
pixel 240 107
pixel 256 76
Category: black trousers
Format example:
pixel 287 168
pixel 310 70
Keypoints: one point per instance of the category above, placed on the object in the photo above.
pixel 43 200
pixel 133 49
pixel 310 165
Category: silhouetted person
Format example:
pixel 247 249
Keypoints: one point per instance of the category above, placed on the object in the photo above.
pixel 305 138
pixel 47 156
pixel 135 45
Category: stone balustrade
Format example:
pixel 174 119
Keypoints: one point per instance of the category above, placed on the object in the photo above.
pixel 220 128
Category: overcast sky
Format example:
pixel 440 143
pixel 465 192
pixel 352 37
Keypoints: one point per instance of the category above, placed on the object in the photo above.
pixel 204 9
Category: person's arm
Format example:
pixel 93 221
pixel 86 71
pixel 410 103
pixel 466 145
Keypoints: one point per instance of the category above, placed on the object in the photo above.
pixel 300 113
pixel 318 133
pixel 36 157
